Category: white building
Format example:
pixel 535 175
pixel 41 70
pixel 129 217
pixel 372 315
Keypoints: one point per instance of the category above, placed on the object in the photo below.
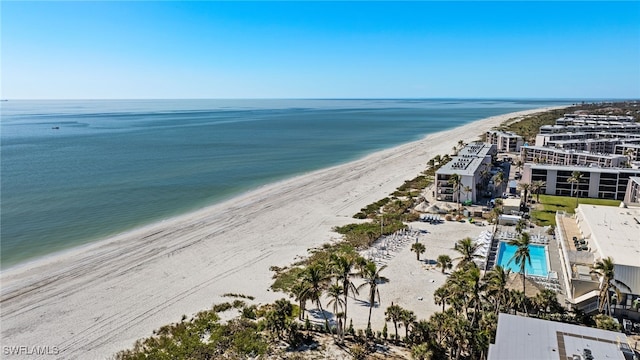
pixel 526 338
pixel 505 141
pixel 468 164
pixel 602 183
pixel 555 156
pixel 632 195
pixel 607 231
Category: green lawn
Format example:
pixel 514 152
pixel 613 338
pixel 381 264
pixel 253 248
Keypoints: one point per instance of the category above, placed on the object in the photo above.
pixel 551 204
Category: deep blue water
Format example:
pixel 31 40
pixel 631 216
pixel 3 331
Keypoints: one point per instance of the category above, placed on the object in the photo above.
pixel 113 165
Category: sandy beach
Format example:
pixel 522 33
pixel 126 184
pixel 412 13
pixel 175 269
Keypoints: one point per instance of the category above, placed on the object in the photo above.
pixel 93 301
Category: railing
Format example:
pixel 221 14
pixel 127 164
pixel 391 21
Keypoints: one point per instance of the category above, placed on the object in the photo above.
pixel 561 235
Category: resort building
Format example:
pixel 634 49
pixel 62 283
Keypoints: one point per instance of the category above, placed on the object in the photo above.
pixel 587 119
pixel 592 234
pixel 603 142
pixel 627 128
pixel 632 195
pixel 523 338
pixel 505 141
pixel 554 156
pixel 468 164
pixel 602 183
pixel 631 150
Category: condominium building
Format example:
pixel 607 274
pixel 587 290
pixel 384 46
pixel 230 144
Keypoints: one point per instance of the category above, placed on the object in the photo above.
pixel 468 164
pixel 588 119
pixel 631 150
pixel 604 141
pixel 555 156
pixel 612 127
pixel 505 141
pixel 601 232
pixel 603 183
pixel 632 194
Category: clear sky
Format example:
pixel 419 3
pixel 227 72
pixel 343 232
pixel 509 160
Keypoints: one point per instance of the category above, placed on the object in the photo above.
pixel 206 49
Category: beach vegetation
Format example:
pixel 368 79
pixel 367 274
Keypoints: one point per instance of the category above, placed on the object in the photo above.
pixel 202 337
pixel 239 296
pixel 606 322
pixel 363 235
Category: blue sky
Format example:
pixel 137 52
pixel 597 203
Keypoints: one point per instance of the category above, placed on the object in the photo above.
pixel 205 49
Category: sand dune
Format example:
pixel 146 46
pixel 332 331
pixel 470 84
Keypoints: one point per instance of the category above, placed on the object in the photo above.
pixel 95 300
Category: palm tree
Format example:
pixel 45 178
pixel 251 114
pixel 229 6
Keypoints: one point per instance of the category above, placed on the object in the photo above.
pixel 300 293
pixel 521 256
pixel 342 265
pixel 316 279
pixel 418 248
pixel 371 275
pixel 525 187
pixel 498 180
pixel 467 249
pixel 461 144
pixel 455 180
pixel 485 174
pixel 467 190
pixel 335 298
pixel 407 320
pixel 575 178
pixel 536 187
pixel 444 261
pixel 519 164
pixel 496 280
pixel 441 295
pixel 495 213
pixel 394 314
pixel 544 300
pixel 605 270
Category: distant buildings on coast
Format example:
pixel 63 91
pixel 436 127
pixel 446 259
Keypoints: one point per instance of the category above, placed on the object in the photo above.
pixel 605 150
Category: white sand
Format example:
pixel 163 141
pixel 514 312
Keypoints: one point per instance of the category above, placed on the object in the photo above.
pixel 95 300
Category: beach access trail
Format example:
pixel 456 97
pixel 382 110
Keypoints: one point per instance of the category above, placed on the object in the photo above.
pixel 92 301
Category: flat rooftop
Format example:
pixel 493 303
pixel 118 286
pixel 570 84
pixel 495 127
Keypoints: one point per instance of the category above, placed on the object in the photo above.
pixel 461 166
pixel 616 231
pixel 520 337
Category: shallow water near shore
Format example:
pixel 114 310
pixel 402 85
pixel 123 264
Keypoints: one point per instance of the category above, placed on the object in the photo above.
pixel 77 171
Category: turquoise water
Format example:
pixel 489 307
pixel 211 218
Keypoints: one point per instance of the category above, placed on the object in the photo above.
pixel 113 165
pixel 538 266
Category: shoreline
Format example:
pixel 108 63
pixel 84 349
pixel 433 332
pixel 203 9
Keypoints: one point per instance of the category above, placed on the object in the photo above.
pixel 185 263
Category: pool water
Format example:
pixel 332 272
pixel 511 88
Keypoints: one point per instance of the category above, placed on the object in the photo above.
pixel 538 266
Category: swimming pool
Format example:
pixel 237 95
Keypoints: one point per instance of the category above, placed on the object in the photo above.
pixel 538 254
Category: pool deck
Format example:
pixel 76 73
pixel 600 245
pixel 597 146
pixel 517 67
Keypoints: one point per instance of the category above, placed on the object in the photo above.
pixel 553 258
pixel 554 251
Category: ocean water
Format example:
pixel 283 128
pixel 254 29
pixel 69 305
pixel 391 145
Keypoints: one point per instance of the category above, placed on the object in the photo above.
pixel 73 172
